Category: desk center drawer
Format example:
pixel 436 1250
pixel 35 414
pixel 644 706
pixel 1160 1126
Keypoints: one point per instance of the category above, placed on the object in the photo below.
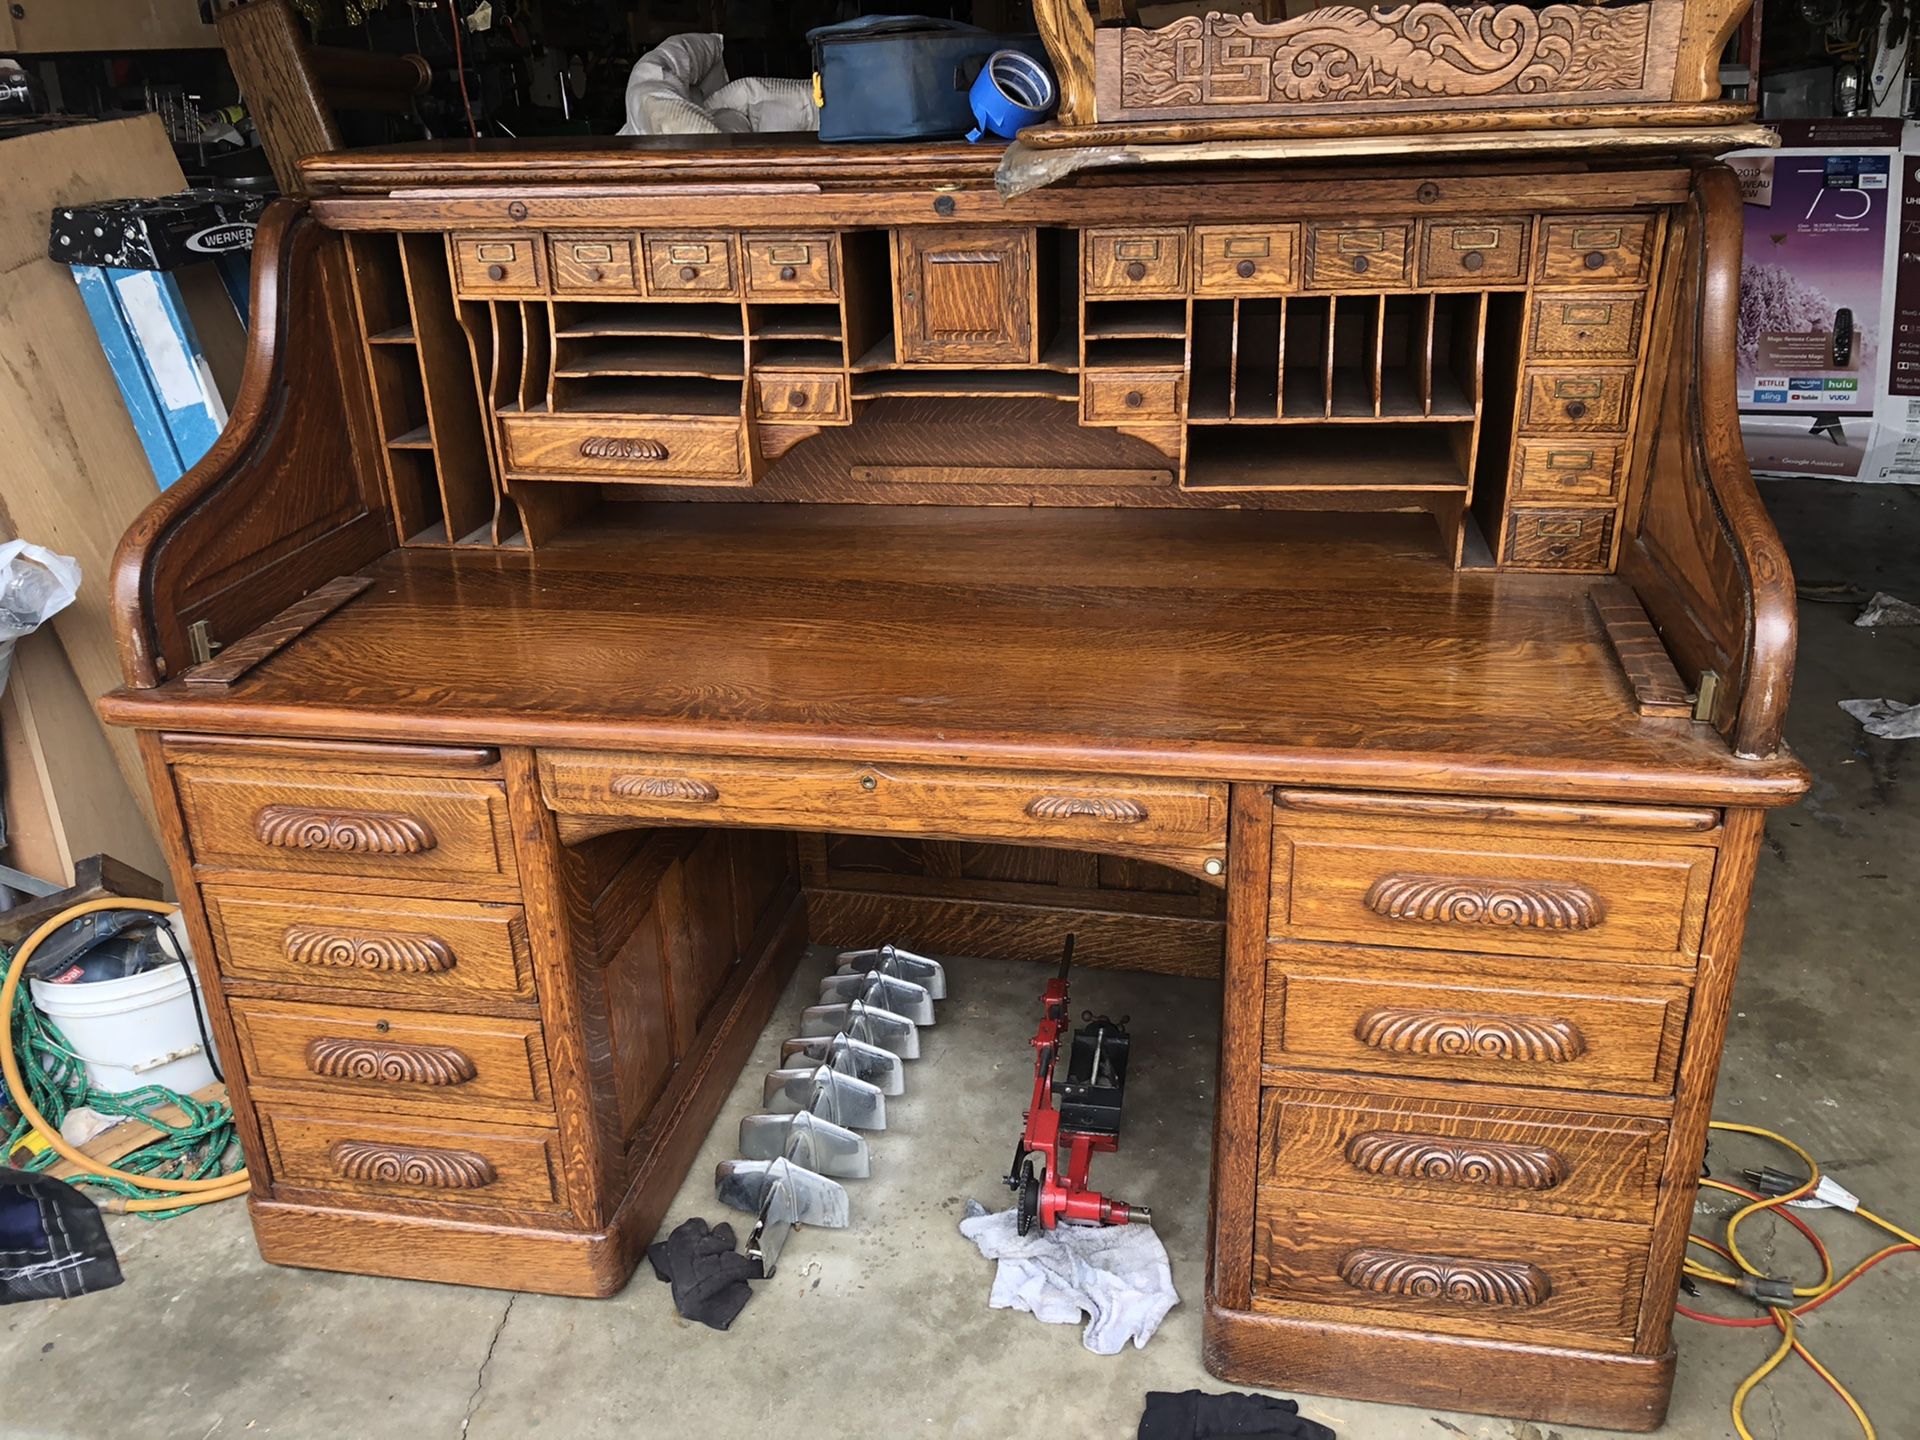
pixel 1185 818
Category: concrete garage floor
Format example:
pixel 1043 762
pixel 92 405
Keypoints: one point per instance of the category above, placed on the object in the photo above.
pixel 883 1329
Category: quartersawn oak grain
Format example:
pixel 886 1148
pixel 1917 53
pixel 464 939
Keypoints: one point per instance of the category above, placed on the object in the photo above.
pixel 495 870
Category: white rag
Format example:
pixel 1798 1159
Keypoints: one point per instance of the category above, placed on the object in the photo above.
pixel 1117 1275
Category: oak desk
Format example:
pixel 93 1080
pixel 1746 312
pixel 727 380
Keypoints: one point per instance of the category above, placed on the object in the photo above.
pixel 629 561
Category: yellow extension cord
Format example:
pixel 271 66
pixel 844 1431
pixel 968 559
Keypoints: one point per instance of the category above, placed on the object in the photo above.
pixel 1782 1315
pixel 177 1194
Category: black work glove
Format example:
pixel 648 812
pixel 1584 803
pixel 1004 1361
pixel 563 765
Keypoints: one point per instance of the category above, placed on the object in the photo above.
pixel 1195 1415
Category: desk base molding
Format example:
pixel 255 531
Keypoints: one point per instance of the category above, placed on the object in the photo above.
pixel 1545 1384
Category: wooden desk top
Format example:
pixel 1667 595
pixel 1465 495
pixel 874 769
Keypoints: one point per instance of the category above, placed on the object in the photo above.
pixel 1240 645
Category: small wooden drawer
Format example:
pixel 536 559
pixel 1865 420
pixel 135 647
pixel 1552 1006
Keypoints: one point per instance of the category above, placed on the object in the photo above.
pixel 1540 1278
pixel 1569 469
pixel 1135 262
pixel 800 396
pixel 1576 400
pixel 1449 1152
pixel 1489 888
pixel 592 264
pixel 1245 259
pixel 1543 539
pixel 1357 257
pixel 375 1158
pixel 426 950
pixel 1484 252
pixel 801 266
pixel 412 827
pixel 499 265
pixel 413 1058
pixel 1459 1024
pixel 1597 250
pixel 1125 397
pixel 1573 326
pixel 1184 821
pixel 616 447
pixel 690 265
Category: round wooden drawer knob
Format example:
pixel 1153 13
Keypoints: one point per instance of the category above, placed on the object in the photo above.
pixel 1595 259
pixel 689 273
pixel 787 272
pixel 1576 409
pixel 797 399
pixel 1136 270
pixel 1360 264
pixel 1246 269
pixel 596 275
pixel 496 272
pixel 1135 399
pixel 1472 260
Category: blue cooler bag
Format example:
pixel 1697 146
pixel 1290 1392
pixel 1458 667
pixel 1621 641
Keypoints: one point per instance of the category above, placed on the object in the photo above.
pixel 902 77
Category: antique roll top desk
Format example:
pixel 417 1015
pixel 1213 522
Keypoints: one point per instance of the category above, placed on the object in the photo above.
pixel 1311 546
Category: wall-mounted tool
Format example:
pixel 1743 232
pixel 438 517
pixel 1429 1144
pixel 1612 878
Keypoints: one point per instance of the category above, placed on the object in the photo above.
pixel 1066 1123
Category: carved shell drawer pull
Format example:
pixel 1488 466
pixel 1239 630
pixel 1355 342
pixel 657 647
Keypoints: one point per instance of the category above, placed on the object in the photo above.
pixel 1504 1284
pixel 389 1062
pixel 1113 809
pixel 391 951
pixel 1496 1164
pixel 1518 904
pixel 1459 1035
pixel 363 832
pixel 618 447
pixel 367 1160
pixel 665 787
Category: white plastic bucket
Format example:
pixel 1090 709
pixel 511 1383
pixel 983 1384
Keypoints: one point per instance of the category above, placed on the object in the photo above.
pixel 132 1032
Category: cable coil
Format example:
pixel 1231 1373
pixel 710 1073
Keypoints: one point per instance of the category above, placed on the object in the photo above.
pixel 175 1194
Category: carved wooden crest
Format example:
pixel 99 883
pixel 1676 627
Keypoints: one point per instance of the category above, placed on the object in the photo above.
pixel 1497 1164
pixel 1450 1034
pixel 1421 54
pixel 665 787
pixel 367 950
pixel 410 1165
pixel 1114 809
pixel 365 832
pixel 1521 904
pixel 389 1062
pixel 1508 1284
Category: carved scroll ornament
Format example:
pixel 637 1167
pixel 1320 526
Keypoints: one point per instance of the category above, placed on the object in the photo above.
pixel 1507 1284
pixel 1520 904
pixel 364 832
pixel 1347 54
pixel 665 787
pixel 392 952
pixel 1114 809
pixel 1497 1164
pixel 1449 1034
pixel 389 1062
pixel 614 447
pixel 407 1165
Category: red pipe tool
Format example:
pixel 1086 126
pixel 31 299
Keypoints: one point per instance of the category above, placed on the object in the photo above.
pixel 1067 1123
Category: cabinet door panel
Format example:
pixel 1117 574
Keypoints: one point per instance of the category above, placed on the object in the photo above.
pixel 966 296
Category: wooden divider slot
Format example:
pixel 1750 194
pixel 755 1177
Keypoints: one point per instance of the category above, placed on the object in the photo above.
pixel 393 371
